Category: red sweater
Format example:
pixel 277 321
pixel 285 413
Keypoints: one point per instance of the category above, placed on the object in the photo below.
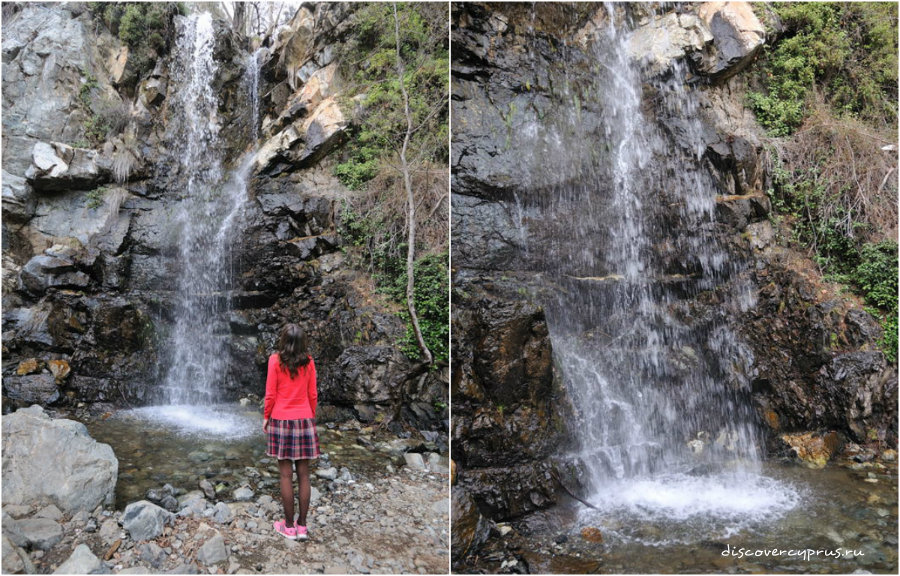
pixel 290 398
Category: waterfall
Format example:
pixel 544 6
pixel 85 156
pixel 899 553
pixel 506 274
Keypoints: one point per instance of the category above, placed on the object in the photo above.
pixel 638 290
pixel 208 213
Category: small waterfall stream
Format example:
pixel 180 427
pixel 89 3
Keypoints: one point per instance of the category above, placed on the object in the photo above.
pixel 207 219
pixel 638 291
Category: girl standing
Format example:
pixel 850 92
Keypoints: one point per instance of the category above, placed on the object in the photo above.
pixel 289 421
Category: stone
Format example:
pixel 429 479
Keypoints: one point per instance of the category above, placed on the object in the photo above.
pixel 327 473
pixel 43 272
pixel 665 38
pixel 60 369
pixel 324 129
pixel 85 471
pixel 51 512
pixel 415 461
pixel 151 553
pixel 737 36
pixel 57 166
pixel 32 389
pixel 469 529
pixel 208 489
pixel 40 533
pixel 18 200
pixel 438 463
pixel 12 561
pixel 213 551
pixel 145 520
pixel 591 534
pixel 29 366
pixel 222 513
pixel 109 531
pixel 889 455
pixel 82 561
pixel 243 494
pixel 813 450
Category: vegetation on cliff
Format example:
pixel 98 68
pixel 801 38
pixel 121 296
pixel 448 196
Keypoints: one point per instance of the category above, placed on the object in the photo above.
pixel 378 219
pixel 829 102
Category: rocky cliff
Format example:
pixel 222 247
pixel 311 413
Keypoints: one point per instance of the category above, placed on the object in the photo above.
pixel 90 244
pixel 526 119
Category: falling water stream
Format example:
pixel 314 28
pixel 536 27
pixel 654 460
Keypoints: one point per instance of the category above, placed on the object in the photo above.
pixel 638 291
pixel 209 210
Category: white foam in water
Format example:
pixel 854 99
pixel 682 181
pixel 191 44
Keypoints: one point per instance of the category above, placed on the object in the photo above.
pixel 220 421
pixel 692 508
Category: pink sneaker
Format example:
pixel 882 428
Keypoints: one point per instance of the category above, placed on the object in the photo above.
pixel 302 532
pixel 289 533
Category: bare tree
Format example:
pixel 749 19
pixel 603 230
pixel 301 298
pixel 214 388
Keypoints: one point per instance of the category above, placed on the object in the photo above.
pixel 410 200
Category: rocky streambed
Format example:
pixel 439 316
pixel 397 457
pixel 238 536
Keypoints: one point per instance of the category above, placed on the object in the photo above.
pixel 377 507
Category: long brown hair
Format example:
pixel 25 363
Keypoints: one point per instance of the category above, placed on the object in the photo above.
pixel 293 348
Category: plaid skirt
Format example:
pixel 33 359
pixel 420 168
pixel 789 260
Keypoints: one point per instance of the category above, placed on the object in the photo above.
pixel 292 439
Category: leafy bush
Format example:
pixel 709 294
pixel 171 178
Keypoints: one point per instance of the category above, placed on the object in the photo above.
pixel 846 50
pixel 432 305
pixel 143 26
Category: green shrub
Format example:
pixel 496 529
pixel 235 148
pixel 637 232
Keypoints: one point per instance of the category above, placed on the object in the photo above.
pixel 143 26
pixel 848 51
pixel 432 306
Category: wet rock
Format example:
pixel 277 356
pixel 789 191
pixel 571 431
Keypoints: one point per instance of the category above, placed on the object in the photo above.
pixel 39 533
pixel 82 561
pixel 144 520
pixel 813 450
pixel 213 551
pixel 591 534
pixel 85 471
pixel 43 272
pixel 33 389
pixel 469 529
pixel 18 200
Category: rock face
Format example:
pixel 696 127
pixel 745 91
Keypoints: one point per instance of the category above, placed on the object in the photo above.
pixel 91 241
pixel 85 471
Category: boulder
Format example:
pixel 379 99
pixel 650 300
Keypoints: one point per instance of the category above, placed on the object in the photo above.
pixel 57 166
pixel 737 37
pixel 32 389
pixel 667 38
pixel 144 520
pixel 84 471
pixel 82 561
pixel 414 460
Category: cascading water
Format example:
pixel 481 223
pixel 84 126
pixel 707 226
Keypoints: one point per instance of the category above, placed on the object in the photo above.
pixel 638 292
pixel 209 210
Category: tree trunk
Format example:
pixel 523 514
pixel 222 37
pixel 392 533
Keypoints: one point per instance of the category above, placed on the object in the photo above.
pixel 410 202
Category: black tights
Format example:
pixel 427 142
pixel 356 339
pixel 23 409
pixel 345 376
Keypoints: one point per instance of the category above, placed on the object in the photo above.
pixel 287 490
